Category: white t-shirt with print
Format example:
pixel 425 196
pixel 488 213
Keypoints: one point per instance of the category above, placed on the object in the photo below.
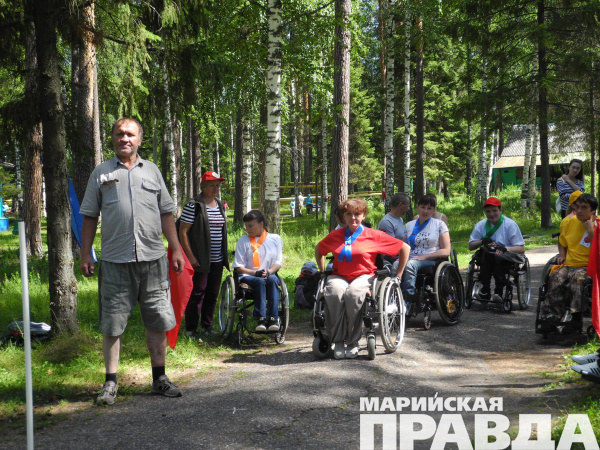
pixel 428 239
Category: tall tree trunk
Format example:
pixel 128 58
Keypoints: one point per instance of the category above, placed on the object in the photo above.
pixel 341 108
pixel 177 147
pixel 390 87
pixel 407 25
pixel 83 75
pixel 526 162
pixel 246 165
pixel 531 190
pixel 273 152
pixel 217 156
pixel 419 186
pixel 493 159
pixel 382 71
pixel 189 186
pixel 154 133
pixel 324 164
pixel 306 144
pixel 546 218
pixel 32 149
pixel 469 172
pixel 62 282
pixel 196 154
pixel 239 205
pixel 295 156
pixel 482 184
pixel 592 137
pixel 169 147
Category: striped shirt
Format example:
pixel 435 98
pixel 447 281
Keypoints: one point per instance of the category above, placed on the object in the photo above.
pixel 216 221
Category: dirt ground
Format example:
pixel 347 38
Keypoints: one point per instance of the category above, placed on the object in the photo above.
pixel 281 397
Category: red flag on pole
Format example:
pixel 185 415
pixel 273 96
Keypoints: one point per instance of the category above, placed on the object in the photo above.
pixel 593 270
pixel 181 288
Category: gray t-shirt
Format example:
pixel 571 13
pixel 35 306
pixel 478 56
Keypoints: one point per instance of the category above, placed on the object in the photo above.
pixel 394 226
pixel 132 202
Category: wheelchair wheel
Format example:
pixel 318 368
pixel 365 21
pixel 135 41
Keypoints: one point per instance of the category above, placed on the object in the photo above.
pixel 454 257
pixel 469 293
pixel 427 319
pixel 507 305
pixel 321 348
pixel 524 286
pixel 371 346
pixel 391 315
pixel 227 307
pixel 449 293
pixel 284 312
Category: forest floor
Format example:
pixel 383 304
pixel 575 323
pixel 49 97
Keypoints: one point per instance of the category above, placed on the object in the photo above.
pixel 281 397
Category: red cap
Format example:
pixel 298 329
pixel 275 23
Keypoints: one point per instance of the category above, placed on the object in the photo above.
pixel 211 176
pixel 492 201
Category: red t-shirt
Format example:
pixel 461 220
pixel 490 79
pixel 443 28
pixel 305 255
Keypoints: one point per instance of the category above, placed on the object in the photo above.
pixel 365 249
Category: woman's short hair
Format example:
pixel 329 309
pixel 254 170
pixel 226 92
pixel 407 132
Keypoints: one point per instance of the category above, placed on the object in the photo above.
pixel 353 205
pixel 255 214
pixel 579 176
pixel 429 200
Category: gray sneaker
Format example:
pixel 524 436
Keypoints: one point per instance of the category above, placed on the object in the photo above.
pixel 107 394
pixel 163 386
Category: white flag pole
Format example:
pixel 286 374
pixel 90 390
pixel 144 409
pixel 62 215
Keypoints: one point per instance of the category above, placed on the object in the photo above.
pixel 26 334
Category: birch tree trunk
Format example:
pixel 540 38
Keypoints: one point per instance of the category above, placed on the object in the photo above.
pixel 62 282
pixel 407 25
pixel 168 145
pixel 419 186
pixel 154 133
pixel 246 166
pixel 217 156
pixel 295 156
pixel 493 159
pixel 189 168
pixel 482 185
pixel 238 195
pixel 390 24
pixel 273 151
pixel 341 108
pixel 32 152
pixel 526 163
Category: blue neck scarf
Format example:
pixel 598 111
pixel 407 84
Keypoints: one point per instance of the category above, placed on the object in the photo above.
pixel 347 251
pixel 416 230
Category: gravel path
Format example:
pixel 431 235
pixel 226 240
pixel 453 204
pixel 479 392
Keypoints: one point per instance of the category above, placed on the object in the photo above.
pixel 280 397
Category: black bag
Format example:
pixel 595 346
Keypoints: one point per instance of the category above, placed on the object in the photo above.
pixel 306 286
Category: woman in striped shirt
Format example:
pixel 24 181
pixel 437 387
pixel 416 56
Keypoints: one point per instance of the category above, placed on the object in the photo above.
pixel 203 236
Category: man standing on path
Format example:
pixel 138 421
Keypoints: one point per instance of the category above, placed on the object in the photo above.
pixel 136 207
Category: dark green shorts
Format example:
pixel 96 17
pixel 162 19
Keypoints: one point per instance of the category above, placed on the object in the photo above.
pixel 124 285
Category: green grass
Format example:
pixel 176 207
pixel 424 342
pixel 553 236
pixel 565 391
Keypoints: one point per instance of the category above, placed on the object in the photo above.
pixel 70 368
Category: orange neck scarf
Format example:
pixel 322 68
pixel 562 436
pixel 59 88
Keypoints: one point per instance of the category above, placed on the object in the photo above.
pixel 256 245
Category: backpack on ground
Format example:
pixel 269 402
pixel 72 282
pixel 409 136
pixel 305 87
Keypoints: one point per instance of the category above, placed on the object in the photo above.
pixel 306 286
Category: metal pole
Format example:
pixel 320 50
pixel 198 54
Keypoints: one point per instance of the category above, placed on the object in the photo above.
pixel 26 334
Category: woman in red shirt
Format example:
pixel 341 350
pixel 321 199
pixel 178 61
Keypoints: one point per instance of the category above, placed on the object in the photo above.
pixel 355 248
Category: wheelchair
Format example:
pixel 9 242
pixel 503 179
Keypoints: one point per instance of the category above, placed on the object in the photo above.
pixel 517 274
pixel 236 299
pixel 383 313
pixel 545 327
pixel 440 288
